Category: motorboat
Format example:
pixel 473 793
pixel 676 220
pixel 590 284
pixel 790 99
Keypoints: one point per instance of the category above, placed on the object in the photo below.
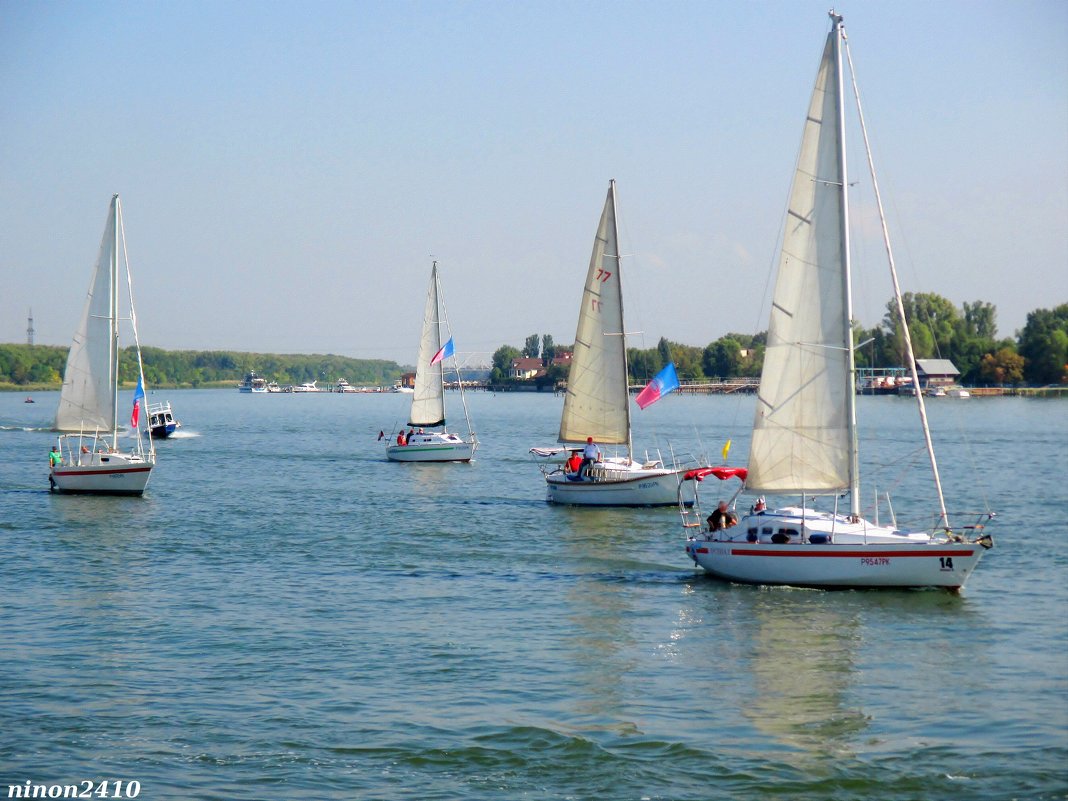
pixel 161 422
pixel 252 383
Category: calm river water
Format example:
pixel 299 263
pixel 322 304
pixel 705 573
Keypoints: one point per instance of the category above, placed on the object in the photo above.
pixel 286 615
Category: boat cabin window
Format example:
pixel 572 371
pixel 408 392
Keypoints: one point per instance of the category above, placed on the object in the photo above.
pixel 783 536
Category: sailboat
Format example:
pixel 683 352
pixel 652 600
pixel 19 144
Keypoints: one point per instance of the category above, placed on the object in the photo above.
pixel 87 458
pixel 597 402
pixel 428 400
pixel 804 430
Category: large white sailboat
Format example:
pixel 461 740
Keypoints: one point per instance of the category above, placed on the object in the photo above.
pixel 597 403
pixel 87 458
pixel 804 431
pixel 428 400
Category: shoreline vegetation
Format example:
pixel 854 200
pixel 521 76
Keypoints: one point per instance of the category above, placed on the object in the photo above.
pixel 1033 363
pixel 40 368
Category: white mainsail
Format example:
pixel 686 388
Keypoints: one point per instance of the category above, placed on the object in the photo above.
pixel 597 404
pixel 803 431
pixel 428 402
pixel 87 399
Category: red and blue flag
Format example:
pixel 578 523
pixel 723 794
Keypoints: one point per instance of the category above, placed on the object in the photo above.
pixel 664 382
pixel 446 351
pixel 139 394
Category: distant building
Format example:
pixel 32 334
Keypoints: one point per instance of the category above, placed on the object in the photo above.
pixel 937 372
pixel 408 380
pixel 526 368
pixel 562 359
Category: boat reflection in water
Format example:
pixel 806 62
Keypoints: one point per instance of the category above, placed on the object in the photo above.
pixel 803 669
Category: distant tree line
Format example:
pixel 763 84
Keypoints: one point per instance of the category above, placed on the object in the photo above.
pixel 22 365
pixel 967 336
pixel 1037 355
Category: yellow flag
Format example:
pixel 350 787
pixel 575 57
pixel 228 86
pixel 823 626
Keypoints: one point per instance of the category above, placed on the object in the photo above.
pixel 726 450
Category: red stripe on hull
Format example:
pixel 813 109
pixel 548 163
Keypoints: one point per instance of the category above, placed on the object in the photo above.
pixel 113 471
pixel 845 554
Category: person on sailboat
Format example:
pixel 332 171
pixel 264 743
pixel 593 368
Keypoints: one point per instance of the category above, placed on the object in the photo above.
pixel 590 454
pixel 402 438
pixel 574 462
pixel 55 458
pixel 721 518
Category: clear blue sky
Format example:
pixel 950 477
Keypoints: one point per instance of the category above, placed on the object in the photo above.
pixel 287 169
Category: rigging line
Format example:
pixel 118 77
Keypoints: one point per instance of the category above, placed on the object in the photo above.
pixel 981 486
pixel 897 292
pixel 133 324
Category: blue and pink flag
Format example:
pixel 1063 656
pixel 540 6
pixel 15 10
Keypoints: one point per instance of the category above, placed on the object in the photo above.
pixel 139 394
pixel 446 351
pixel 663 383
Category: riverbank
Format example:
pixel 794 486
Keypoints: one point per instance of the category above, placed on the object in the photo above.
pixel 55 387
pixel 711 388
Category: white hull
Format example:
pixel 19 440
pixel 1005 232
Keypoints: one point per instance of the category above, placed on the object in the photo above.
pixel 844 555
pixel 111 474
pixel 618 486
pixel 947 565
pixel 435 447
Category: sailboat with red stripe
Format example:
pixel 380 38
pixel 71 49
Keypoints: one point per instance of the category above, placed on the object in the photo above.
pixel 804 441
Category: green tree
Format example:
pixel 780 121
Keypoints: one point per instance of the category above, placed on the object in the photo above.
pixel 687 362
pixel 1004 367
pixel 548 349
pixel 552 376
pixel 932 323
pixel 722 358
pixel 1044 345
pixel 530 349
pixel 502 363
pixel 663 347
pixel 643 364
pixel 979 320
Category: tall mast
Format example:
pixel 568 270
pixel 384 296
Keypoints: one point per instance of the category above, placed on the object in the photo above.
pixel 622 328
pixel 437 322
pixel 847 289
pixel 114 312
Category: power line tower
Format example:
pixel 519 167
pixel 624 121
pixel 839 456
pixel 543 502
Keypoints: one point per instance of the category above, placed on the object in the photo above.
pixel 29 329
